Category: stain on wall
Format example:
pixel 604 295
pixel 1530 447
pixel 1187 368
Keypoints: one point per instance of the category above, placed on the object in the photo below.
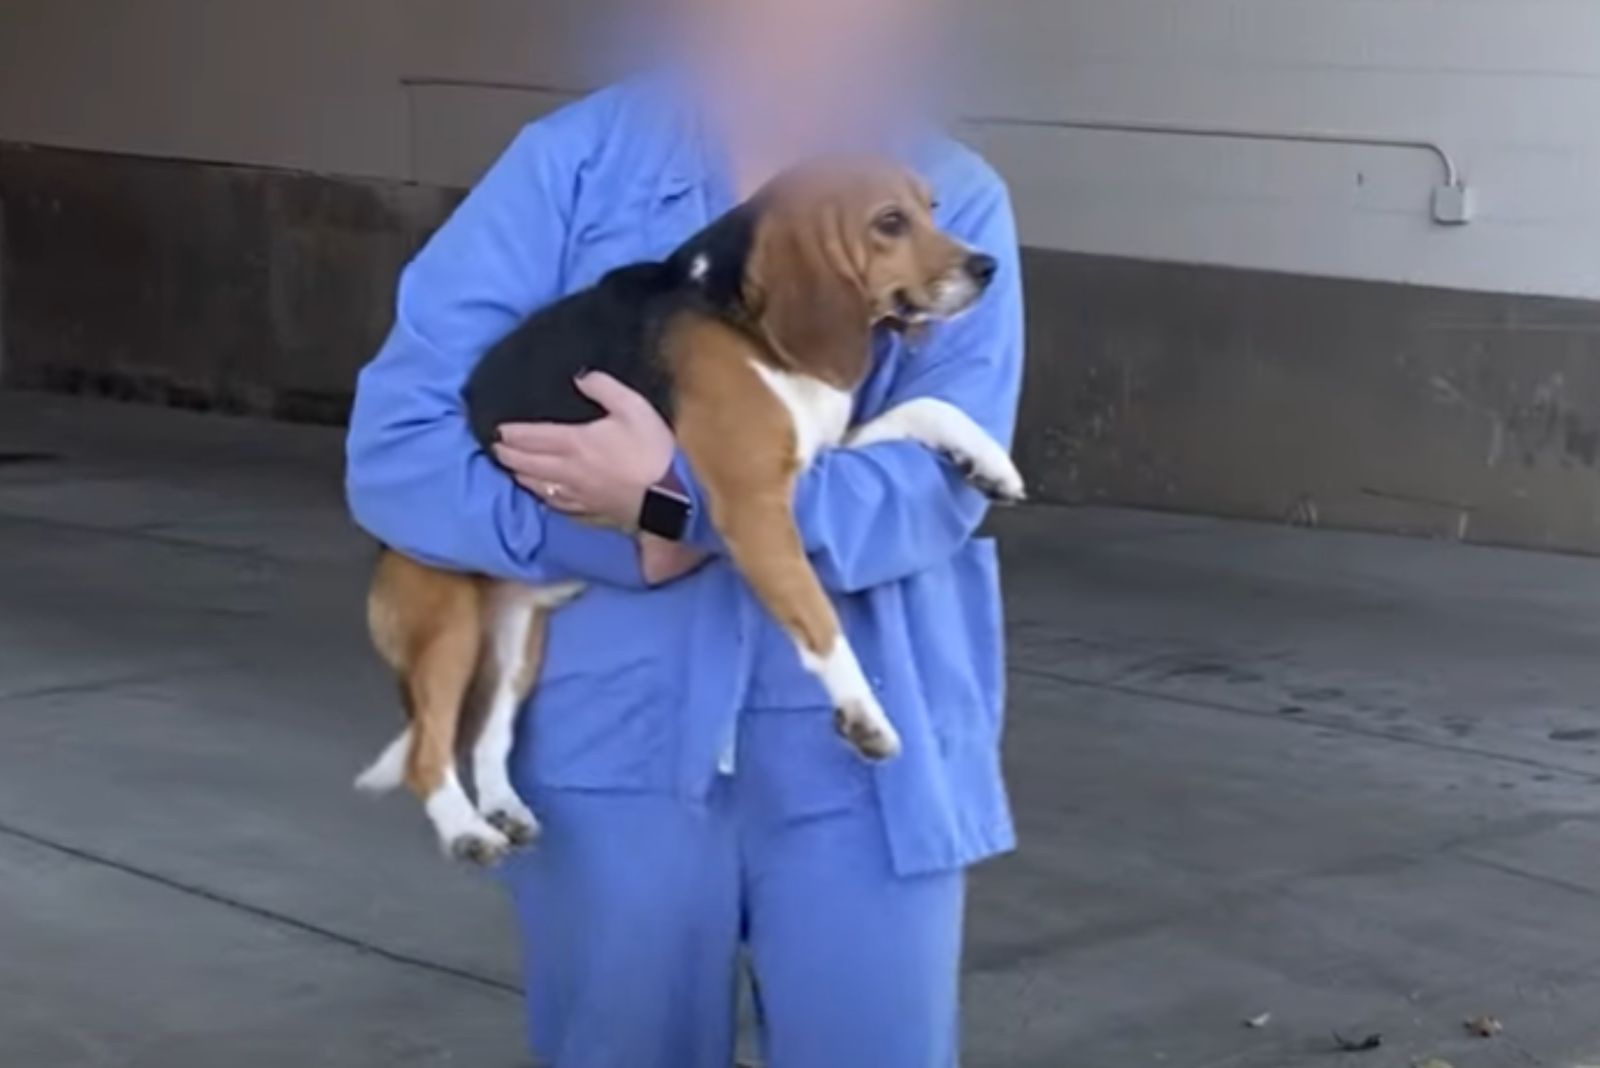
pixel 201 285
pixel 1316 401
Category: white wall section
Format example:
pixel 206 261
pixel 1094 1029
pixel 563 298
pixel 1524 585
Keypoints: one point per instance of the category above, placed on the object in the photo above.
pixel 1509 87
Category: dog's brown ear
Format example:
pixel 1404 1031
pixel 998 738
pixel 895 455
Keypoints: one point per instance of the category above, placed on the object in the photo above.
pixel 806 290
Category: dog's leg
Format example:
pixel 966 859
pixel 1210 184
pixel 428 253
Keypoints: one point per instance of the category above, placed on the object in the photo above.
pixel 761 537
pixel 941 426
pixel 435 687
pixel 426 624
pixel 742 442
pixel 515 620
pixel 509 618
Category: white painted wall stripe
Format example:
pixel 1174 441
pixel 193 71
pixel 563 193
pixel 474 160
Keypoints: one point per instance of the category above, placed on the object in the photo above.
pixel 1511 87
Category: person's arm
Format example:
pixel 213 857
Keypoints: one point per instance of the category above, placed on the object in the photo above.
pixel 415 477
pixel 878 514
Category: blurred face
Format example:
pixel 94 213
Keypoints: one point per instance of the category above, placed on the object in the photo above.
pixel 805 59
pixel 780 28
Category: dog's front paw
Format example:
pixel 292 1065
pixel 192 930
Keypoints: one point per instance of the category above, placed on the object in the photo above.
pixel 866 728
pixel 484 847
pixel 992 473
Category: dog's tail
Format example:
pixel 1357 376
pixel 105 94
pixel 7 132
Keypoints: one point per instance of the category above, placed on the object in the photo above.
pixel 389 770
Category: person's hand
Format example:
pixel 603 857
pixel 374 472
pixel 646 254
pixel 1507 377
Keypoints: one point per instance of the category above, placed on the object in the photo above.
pixel 662 561
pixel 595 471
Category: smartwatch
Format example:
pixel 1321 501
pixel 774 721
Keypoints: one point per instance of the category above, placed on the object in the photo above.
pixel 665 513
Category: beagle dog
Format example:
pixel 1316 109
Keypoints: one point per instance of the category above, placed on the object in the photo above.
pixel 750 339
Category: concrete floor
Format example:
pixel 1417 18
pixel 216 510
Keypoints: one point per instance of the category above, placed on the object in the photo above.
pixel 1350 781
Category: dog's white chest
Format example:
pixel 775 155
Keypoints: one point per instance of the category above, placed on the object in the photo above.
pixel 820 412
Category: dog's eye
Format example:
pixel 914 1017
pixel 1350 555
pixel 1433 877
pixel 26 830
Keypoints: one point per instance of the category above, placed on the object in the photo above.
pixel 892 223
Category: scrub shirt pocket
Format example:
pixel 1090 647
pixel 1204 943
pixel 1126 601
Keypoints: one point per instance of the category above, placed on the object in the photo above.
pixel 602 712
pixel 794 766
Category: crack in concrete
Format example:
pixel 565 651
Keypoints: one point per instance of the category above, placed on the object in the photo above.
pixel 1506 868
pixel 261 912
pixel 1232 901
pixel 138 533
pixel 1308 720
pixel 95 685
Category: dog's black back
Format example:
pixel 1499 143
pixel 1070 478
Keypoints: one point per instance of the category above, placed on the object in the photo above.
pixel 615 326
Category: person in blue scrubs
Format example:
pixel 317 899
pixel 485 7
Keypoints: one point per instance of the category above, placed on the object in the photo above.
pixel 697 803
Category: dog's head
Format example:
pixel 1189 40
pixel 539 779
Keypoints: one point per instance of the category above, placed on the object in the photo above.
pixel 839 246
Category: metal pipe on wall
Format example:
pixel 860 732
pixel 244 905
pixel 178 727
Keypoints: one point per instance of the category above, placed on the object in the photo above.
pixel 1452 202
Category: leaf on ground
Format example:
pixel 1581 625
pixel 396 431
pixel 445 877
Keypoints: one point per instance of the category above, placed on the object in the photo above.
pixel 1484 1026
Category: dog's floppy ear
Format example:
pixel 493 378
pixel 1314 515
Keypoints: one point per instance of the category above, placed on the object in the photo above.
pixel 804 285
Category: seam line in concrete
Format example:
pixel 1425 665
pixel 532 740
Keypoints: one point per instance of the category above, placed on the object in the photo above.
pixel 138 534
pixel 282 919
pixel 1309 721
pixel 1241 899
pixel 1532 876
pixel 1181 526
pixel 91 685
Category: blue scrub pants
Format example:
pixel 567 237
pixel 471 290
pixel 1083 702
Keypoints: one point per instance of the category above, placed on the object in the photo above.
pixel 634 908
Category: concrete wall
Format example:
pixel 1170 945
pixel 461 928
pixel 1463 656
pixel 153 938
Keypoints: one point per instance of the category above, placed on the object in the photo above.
pixel 1510 87
pixel 307 84
pixel 1314 401
pixel 314 85
pixel 200 285
pixel 1260 329
pixel 1276 396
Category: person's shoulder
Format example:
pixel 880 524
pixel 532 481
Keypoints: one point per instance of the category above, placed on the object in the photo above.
pixel 576 127
pixel 957 172
pixel 591 126
pixel 971 193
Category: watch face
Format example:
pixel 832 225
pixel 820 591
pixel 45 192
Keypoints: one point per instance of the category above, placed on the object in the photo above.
pixel 665 514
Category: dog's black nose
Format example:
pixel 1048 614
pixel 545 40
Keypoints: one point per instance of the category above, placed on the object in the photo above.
pixel 982 268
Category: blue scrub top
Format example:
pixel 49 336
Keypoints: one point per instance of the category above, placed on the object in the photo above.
pixel 642 689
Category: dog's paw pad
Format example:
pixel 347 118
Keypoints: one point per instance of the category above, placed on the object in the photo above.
pixel 996 478
pixel 519 827
pixel 871 736
pixel 1000 490
pixel 483 848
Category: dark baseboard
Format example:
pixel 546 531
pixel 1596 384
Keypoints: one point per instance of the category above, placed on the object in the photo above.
pixel 1460 415
pixel 156 388
pixel 1470 416
pixel 202 286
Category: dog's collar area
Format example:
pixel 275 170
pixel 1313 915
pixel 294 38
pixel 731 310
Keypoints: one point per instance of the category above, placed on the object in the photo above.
pixel 713 262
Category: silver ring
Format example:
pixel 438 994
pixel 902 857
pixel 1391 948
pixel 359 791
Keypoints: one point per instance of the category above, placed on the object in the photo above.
pixel 552 491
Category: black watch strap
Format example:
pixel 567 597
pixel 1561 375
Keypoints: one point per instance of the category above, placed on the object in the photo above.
pixel 665 513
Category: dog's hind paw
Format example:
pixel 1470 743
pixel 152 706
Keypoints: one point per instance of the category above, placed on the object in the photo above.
pixel 485 848
pixel 517 824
